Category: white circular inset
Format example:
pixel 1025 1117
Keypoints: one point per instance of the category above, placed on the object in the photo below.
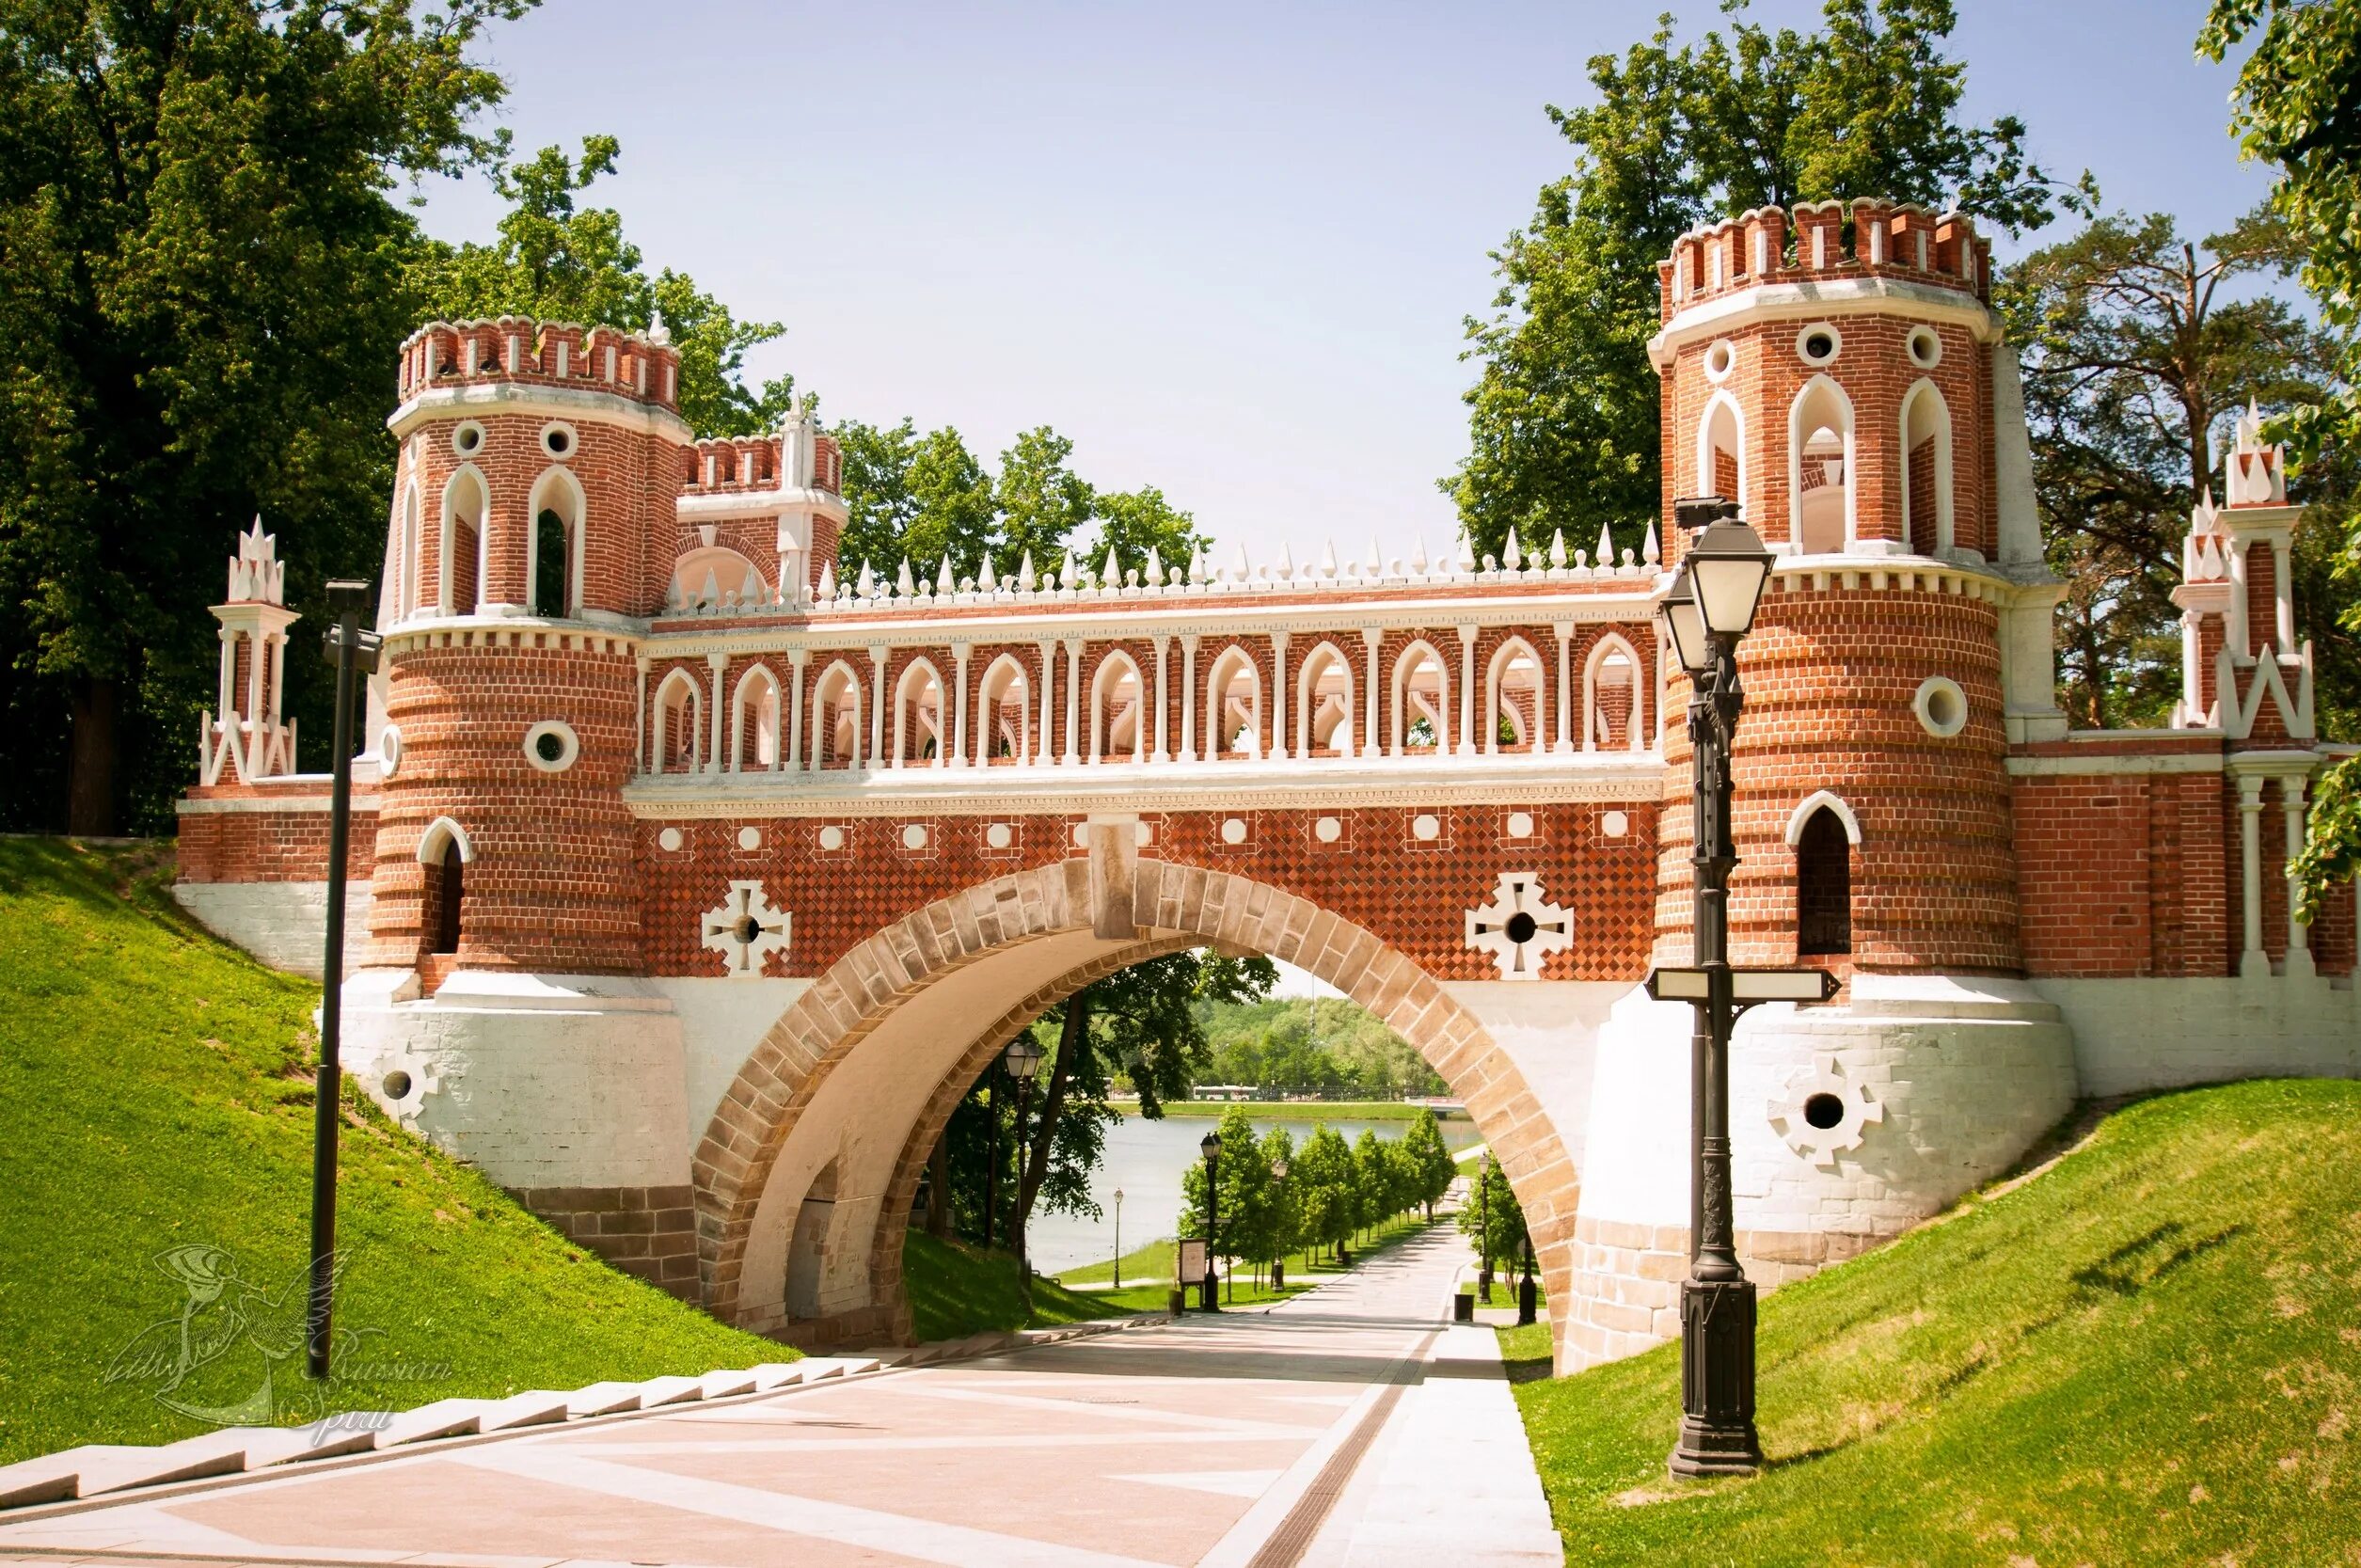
pixel 1520 824
pixel 467 438
pixel 1327 829
pixel 1720 360
pixel 1819 344
pixel 388 752
pixel 1614 824
pixel 913 838
pixel 831 837
pixel 1426 826
pixel 552 746
pixel 1234 829
pixel 999 835
pixel 669 840
pixel 559 440
pixel 750 837
pixel 1925 347
pixel 1941 706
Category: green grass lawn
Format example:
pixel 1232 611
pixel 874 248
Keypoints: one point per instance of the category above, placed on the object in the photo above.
pixel 156 1094
pixel 1293 1110
pixel 2148 1353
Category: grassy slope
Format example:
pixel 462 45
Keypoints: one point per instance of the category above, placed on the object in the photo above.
pixel 957 1290
pixel 2148 1353
pixel 156 1092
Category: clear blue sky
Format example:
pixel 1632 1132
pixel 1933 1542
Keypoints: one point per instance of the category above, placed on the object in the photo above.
pixel 1226 249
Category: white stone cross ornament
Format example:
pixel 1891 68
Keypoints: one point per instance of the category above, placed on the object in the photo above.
pixel 1520 928
pixel 746 930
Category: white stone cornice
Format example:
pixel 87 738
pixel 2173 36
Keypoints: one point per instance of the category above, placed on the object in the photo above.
pixel 1809 301
pixel 554 403
pixel 1624 777
pixel 711 507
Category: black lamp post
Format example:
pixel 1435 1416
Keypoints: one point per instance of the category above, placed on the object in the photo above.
pixel 1527 1297
pixel 1711 606
pixel 1022 1057
pixel 1212 1147
pixel 1119 1238
pixel 1483 1230
pixel 354 651
pixel 1279 1264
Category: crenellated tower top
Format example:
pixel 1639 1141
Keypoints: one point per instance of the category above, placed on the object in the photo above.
pixel 1813 242
pixel 642 366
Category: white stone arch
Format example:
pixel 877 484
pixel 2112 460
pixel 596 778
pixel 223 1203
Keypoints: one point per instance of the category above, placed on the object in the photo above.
pixel 1722 428
pixel 678 692
pixel 1594 667
pixel 466 501
pixel 1822 406
pixel 755 706
pixel 909 721
pixel 1815 801
pixel 1435 707
pixel 1494 686
pixel 1233 666
pixel 1106 719
pixel 556 490
pixel 1926 417
pixel 837 714
pixel 729 570
pixel 1325 682
pixel 440 834
pixel 1004 710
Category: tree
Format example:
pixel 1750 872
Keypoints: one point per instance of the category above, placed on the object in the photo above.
pixel 1563 416
pixel 201 301
pixel 557 261
pixel 1372 1181
pixel 2299 106
pixel 1431 1167
pixel 2138 345
pixel 1283 1231
pixel 1041 501
pixel 1244 1186
pixel 1491 1217
pixel 1323 1177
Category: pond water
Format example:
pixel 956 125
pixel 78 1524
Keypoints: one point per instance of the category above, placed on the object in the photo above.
pixel 1145 1159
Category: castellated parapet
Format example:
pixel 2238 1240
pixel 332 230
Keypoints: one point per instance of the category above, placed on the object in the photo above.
pixel 700 869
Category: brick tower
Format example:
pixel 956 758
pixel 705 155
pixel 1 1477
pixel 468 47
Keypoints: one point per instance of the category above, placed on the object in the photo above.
pixel 532 519
pixel 1840 373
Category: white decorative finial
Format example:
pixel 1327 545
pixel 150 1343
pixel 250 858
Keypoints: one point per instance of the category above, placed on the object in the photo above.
pixel 868 582
pixel 1243 570
pixel 1287 561
pixel 1112 573
pixel 907 584
pixel 986 579
pixel 1156 568
pixel 1606 546
pixel 1558 549
pixel 827 580
pixel 1418 555
pixel 1024 572
pixel 1648 554
pixel 659 333
pixel 1513 554
pixel 1328 560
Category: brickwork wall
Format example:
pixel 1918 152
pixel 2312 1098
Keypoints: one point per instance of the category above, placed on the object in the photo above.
pixel 2154 902
pixel 1830 677
pixel 548 888
pixel 269 846
pixel 648 1232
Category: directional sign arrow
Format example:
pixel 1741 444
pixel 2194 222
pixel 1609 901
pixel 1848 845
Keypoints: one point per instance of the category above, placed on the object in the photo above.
pixel 1747 986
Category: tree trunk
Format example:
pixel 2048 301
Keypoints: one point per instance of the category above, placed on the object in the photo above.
pixel 91 760
pixel 939 1187
pixel 1074 1037
pixel 992 1163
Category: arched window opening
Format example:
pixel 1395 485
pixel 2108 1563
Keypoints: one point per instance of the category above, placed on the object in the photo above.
pixel 1324 704
pixel 1421 702
pixel 408 604
pixel 754 727
pixel 1720 442
pixel 677 742
pixel 1612 715
pixel 836 718
pixel 1002 712
pixel 1116 704
pixel 1824 886
pixel 446 889
pixel 712 575
pixel 463 508
pixel 1515 682
pixel 918 729
pixel 1820 458
pixel 552 592
pixel 1926 470
pixel 1233 707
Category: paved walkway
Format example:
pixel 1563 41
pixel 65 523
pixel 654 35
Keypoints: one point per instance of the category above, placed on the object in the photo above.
pixel 1349 1426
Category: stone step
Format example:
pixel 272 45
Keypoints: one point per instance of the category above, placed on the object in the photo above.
pixel 603 1399
pixel 658 1391
pixel 776 1374
pixel 538 1407
pixel 722 1386
pixel 453 1417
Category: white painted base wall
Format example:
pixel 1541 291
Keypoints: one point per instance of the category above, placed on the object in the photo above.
pixel 285 925
pixel 1551 1029
pixel 2158 1034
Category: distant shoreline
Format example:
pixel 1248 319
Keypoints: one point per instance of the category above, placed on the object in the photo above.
pixel 1297 1110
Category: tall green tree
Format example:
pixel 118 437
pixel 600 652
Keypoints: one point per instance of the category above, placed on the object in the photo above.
pixel 2139 347
pixel 555 259
pixel 1242 1222
pixel 1563 416
pixel 1492 1218
pixel 202 295
pixel 1323 1177
pixel 1431 1167
pixel 2299 107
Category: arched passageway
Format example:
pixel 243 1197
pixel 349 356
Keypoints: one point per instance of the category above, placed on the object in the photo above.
pixel 858 1076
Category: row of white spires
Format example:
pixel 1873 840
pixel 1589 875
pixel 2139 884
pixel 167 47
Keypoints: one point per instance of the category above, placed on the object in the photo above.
pixel 1076 579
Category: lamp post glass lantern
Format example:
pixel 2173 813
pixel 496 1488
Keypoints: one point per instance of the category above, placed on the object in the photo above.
pixel 1210 1147
pixel 1711 607
pixel 1022 1058
pixel 1279 1265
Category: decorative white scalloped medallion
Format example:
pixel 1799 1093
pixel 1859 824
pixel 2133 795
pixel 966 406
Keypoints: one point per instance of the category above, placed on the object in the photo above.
pixel 746 930
pixel 1520 928
pixel 1823 1114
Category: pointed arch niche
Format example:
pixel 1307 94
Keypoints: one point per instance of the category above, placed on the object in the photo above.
pixel 919 737
pixel 676 743
pixel 466 501
pixel 1421 701
pixel 1721 449
pixel 553 567
pixel 1117 707
pixel 1323 703
pixel 1003 711
pixel 836 718
pixel 1822 516
pixel 754 726
pixel 1614 717
pixel 1233 706
pixel 1927 514
pixel 1513 699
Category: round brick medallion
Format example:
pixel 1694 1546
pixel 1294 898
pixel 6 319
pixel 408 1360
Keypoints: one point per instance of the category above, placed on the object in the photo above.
pixel 831 837
pixel 999 835
pixel 750 837
pixel 551 746
pixel 670 840
pixel 1327 829
pixel 1234 829
pixel 1426 826
pixel 1614 824
pixel 913 838
pixel 1520 824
